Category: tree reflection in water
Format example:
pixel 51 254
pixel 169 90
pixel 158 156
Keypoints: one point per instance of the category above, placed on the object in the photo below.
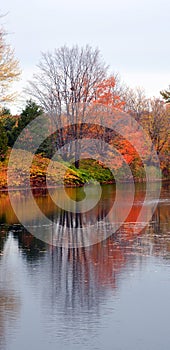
pixel 77 279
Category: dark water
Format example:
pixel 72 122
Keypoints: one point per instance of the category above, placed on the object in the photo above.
pixel 114 295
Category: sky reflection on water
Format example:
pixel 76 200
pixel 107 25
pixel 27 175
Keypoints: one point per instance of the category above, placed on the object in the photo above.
pixel 112 295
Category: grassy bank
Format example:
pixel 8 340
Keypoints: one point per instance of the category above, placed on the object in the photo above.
pixel 44 170
pixel 54 172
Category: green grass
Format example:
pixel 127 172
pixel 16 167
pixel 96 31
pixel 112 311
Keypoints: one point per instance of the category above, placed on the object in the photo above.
pixel 91 171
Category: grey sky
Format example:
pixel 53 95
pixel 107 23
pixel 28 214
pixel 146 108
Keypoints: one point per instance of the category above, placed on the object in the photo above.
pixel 133 36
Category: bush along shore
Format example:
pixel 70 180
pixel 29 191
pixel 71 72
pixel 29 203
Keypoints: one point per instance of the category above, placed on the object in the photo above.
pixel 44 171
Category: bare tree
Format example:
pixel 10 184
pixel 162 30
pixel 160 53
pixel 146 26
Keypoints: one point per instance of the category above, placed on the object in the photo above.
pixel 136 102
pixel 65 85
pixel 157 124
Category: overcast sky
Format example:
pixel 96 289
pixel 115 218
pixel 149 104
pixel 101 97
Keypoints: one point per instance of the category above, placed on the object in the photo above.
pixel 133 36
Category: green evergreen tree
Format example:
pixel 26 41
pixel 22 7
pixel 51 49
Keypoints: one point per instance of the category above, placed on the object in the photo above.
pixel 166 95
pixel 5 112
pixel 29 113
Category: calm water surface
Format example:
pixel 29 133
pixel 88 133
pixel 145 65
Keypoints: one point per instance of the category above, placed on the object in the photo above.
pixel 114 295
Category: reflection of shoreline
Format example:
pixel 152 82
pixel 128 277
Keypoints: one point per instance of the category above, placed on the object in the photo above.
pixel 72 287
pixel 43 200
pixel 68 227
pixel 74 282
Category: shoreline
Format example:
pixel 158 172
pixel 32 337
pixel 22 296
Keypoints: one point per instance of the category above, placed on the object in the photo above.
pixel 59 186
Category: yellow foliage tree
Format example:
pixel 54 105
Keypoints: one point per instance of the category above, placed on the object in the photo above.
pixel 9 70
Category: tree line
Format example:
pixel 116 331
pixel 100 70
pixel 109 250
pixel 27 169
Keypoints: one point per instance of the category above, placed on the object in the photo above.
pixel 72 85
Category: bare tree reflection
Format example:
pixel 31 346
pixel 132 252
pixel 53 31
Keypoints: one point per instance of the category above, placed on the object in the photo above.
pixel 9 297
pixel 78 278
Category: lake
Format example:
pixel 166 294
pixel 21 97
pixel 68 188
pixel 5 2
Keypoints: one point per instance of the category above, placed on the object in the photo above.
pixel 110 294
